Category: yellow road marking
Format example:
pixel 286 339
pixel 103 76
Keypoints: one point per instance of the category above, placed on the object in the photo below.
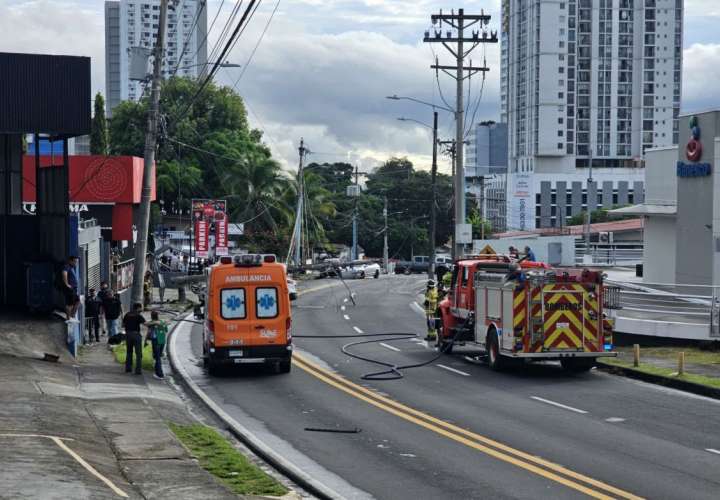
pixel 456 433
pixel 89 468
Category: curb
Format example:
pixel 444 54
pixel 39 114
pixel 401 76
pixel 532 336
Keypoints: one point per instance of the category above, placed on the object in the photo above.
pixel 250 440
pixel 682 385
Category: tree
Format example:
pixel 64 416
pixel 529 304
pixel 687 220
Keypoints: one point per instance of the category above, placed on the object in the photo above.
pixel 479 224
pixel 99 130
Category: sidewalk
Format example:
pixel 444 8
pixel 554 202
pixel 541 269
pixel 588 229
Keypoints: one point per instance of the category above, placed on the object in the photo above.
pixel 84 429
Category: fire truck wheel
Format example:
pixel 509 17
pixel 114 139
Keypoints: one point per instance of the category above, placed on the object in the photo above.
pixel 443 345
pixel 495 361
pixel 577 365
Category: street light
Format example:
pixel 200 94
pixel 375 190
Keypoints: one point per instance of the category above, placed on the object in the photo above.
pixel 396 97
pixel 226 64
pixel 403 119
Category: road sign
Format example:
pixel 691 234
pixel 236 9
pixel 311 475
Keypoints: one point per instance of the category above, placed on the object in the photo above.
pixel 488 250
pixel 463 233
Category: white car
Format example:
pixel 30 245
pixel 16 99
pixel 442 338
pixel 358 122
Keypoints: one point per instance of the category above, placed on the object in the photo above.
pixel 292 288
pixel 361 271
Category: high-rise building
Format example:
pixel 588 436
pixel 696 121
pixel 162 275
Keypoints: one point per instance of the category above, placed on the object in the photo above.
pixel 486 156
pixel 586 81
pixel 131 27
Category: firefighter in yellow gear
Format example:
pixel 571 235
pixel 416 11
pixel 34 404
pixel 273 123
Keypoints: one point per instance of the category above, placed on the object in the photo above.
pixel 431 303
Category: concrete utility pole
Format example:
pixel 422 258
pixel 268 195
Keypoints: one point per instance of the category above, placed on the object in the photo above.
pixel 385 237
pixel 150 146
pixel 460 22
pixel 300 208
pixel 354 253
pixel 433 208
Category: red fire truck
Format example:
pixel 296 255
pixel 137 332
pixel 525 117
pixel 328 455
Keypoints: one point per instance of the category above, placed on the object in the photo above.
pixel 538 314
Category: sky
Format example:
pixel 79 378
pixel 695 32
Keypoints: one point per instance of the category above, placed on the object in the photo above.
pixel 324 67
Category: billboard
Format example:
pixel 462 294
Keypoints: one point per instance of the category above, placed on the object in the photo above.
pixel 209 215
pixel 520 203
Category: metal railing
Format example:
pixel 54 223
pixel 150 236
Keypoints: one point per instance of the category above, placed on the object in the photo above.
pixel 672 303
pixel 610 253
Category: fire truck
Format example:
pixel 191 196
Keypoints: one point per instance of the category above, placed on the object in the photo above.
pixel 539 313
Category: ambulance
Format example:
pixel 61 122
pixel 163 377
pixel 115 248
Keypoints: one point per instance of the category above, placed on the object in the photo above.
pixel 247 313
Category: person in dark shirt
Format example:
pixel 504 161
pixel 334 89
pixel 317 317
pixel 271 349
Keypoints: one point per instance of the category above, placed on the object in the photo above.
pixel 133 339
pixel 112 309
pixel 102 297
pixel 70 291
pixel 92 313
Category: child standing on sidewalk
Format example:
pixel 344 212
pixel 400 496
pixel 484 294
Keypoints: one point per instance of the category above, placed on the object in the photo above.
pixel 157 334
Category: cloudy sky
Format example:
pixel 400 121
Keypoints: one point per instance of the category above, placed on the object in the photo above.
pixel 324 67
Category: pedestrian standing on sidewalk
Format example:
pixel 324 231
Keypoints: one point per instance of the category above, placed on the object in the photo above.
pixel 112 309
pixel 157 334
pixel 92 313
pixel 102 296
pixel 69 276
pixel 133 338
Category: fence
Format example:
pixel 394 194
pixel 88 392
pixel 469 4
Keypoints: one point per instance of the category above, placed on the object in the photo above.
pixel 670 309
pixel 614 254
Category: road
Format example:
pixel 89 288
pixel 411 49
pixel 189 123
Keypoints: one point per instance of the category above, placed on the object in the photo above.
pixel 455 429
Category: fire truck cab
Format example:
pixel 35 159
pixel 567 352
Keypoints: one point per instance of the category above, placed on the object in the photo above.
pixel 538 314
pixel 247 313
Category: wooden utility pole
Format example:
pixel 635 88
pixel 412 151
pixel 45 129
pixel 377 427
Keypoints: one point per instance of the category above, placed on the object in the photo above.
pixel 149 163
pixel 459 23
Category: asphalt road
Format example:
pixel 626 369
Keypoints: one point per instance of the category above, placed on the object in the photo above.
pixel 455 429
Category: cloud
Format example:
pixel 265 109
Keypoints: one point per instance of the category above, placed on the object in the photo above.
pixel 701 71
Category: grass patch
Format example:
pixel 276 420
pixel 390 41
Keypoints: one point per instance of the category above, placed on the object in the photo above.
pixel 692 354
pixel 221 459
pixel 148 363
pixel 666 372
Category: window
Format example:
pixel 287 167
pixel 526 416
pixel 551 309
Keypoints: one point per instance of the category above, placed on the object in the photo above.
pixel 266 303
pixel 232 303
pixel 466 273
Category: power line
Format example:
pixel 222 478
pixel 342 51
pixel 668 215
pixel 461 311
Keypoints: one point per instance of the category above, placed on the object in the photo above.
pixel 252 54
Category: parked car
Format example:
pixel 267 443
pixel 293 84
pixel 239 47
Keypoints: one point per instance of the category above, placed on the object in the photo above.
pixel 361 271
pixel 420 264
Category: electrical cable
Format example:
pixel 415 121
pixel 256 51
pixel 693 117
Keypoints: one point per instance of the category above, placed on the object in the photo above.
pixel 392 371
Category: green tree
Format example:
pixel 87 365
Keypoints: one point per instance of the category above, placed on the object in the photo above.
pixel 99 130
pixel 479 224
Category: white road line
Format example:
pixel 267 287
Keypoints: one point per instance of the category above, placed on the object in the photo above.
pixel 346 317
pixel 453 370
pixel 614 420
pixel 342 308
pixel 345 299
pixel 416 307
pixel 89 468
pixel 357 329
pixel 713 450
pixel 36 436
pixel 387 346
pixel 559 405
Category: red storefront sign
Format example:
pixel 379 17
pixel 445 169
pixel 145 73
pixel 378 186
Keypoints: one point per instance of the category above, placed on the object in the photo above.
pixel 221 227
pixel 201 239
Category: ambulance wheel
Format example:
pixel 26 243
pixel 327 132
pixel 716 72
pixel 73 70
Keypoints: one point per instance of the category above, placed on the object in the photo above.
pixel 283 366
pixel 212 368
pixel 495 361
pixel 577 365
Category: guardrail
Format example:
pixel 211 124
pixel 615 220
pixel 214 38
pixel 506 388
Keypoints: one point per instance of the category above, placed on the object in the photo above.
pixel 610 254
pixel 669 309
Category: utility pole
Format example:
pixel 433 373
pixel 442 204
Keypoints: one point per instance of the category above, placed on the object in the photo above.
pixel 433 208
pixel 450 150
pixel 354 253
pixel 482 207
pixel 385 237
pixel 149 163
pixel 460 22
pixel 300 208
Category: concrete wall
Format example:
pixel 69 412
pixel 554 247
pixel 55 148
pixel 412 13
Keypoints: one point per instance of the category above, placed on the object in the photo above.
pixel 538 244
pixel 696 208
pixel 659 262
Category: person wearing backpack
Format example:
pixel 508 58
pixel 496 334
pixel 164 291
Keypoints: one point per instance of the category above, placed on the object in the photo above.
pixel 157 334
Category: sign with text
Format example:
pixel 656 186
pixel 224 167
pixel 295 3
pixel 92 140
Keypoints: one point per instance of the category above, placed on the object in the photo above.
pixel 221 226
pixel 693 169
pixel 520 206
pixel 201 239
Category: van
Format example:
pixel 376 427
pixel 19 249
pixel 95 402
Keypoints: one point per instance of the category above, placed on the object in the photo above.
pixel 247 313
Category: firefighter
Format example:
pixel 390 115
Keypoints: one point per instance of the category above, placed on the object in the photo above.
pixel 431 303
pixel 447 280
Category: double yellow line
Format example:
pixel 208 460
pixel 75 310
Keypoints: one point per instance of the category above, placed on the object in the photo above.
pixel 531 463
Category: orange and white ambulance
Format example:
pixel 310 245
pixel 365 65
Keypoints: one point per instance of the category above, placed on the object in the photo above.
pixel 247 313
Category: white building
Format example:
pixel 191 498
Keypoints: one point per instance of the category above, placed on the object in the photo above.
pixel 132 26
pixel 582 81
